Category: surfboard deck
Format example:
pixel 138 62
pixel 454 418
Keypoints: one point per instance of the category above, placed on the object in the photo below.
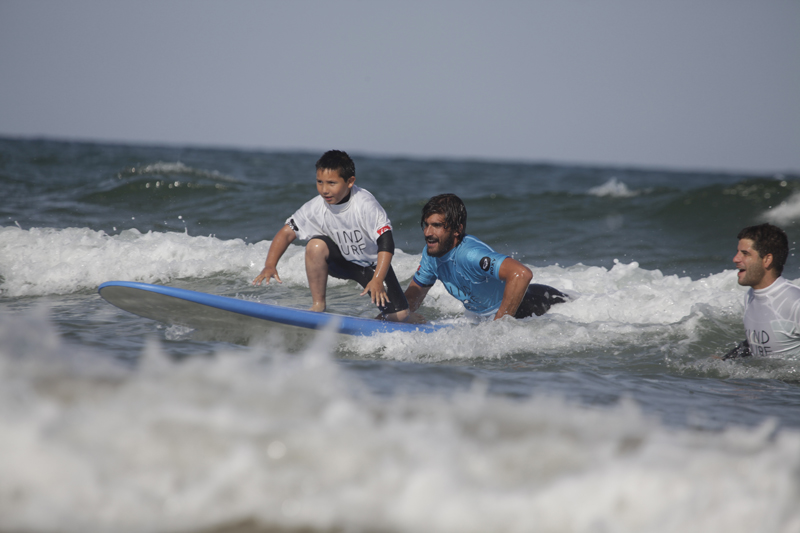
pixel 198 310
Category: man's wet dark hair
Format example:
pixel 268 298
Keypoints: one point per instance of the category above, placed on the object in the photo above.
pixel 338 161
pixel 768 239
pixel 451 208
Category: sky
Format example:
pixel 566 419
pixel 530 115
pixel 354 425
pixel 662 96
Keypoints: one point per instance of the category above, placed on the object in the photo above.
pixel 678 84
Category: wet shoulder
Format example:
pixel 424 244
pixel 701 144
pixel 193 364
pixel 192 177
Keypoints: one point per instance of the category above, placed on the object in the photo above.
pixel 473 243
pixel 365 199
pixel 790 290
pixel 473 250
pixel 314 205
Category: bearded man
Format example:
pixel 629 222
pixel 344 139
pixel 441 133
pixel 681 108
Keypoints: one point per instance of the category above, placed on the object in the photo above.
pixel 489 284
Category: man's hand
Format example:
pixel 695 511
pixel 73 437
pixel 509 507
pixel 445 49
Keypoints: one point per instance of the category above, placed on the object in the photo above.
pixel 740 350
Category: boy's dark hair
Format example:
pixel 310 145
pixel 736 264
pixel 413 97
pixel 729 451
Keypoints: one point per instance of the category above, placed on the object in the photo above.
pixel 768 239
pixel 338 161
pixel 451 208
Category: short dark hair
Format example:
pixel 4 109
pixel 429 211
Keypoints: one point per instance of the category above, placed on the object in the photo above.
pixel 452 208
pixel 768 239
pixel 338 161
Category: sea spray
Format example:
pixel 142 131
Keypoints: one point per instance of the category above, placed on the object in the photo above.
pixel 293 442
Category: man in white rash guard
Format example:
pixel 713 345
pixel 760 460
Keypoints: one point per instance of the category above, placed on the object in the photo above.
pixel 772 305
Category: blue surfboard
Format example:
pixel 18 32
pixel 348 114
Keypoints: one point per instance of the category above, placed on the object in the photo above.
pixel 198 310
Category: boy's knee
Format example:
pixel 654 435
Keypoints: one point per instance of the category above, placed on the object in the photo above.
pixel 317 248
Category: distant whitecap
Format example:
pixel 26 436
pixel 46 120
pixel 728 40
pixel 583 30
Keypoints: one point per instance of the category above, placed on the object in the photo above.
pixel 613 188
pixel 786 212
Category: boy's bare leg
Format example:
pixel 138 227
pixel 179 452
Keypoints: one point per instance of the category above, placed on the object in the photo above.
pixel 317 272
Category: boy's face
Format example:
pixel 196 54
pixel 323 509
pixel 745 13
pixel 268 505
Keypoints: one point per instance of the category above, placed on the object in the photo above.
pixel 332 187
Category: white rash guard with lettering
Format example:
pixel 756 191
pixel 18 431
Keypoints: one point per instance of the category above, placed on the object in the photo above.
pixel 354 225
pixel 772 319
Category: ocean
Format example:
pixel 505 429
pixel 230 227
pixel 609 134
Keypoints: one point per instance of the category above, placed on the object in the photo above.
pixel 609 413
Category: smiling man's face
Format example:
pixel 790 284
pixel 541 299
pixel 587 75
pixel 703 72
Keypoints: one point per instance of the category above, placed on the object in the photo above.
pixel 439 239
pixel 752 267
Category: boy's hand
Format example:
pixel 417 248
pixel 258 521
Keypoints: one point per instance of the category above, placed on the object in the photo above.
pixel 267 274
pixel 376 292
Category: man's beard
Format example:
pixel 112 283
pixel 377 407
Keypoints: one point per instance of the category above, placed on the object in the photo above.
pixel 444 246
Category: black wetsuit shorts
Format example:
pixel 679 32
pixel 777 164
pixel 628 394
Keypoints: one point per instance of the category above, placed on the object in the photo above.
pixel 538 299
pixel 341 268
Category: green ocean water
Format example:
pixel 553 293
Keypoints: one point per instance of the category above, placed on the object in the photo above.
pixel 342 433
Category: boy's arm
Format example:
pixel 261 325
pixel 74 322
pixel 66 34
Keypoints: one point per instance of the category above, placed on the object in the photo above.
pixel 516 277
pixel 375 286
pixel 280 243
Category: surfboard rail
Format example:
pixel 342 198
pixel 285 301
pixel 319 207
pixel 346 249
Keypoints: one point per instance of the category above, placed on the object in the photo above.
pixel 164 304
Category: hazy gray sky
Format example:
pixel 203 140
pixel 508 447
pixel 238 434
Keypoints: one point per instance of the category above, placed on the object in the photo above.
pixel 706 84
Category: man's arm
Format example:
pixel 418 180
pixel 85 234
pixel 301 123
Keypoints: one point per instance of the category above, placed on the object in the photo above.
pixel 415 294
pixel 740 350
pixel 516 277
pixel 280 243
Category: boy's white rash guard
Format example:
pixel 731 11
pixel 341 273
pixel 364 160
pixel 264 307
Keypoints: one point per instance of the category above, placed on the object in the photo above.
pixel 354 225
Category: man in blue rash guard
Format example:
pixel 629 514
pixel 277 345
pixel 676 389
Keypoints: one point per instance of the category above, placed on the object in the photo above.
pixel 487 283
pixel 772 305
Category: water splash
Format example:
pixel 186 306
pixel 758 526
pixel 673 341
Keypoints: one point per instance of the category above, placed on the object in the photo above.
pixel 613 188
pixel 275 441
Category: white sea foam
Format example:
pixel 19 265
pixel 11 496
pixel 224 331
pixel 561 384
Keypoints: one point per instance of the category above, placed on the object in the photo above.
pixel 50 261
pixel 613 188
pixel 169 169
pixel 784 213
pixel 295 442
pixel 625 303
pixel 40 261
